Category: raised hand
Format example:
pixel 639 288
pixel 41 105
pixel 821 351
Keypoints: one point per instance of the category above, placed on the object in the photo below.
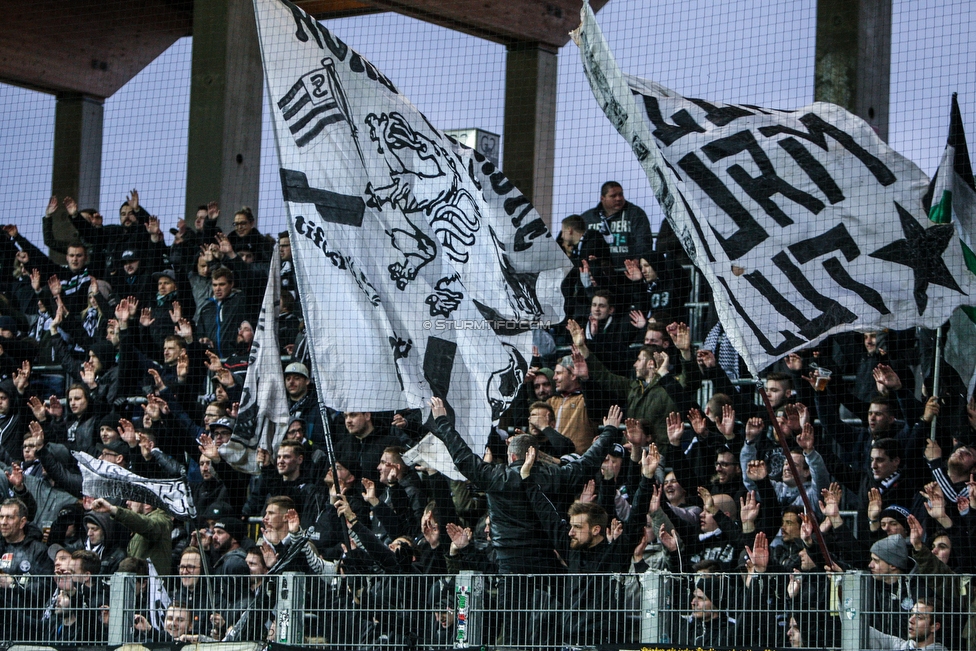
pixel 580 368
pixel 635 433
pixel 805 438
pixel 676 428
pixel 697 420
pixel 88 375
pixel 806 528
pixel 663 362
pixel 52 206
pixel 576 332
pixel 706 358
pixel 369 490
pixel 650 460
pixel 213 211
pixel 35 280
pixel 54 285
pixel 916 535
pixel 886 379
pixel 931 409
pixel 263 457
pixel 21 378
pixel 526 468
pixel 632 270
pixel 681 336
pixel 935 501
pixel 932 451
pixel 727 425
pixel 875 505
pixel 759 553
pixel 175 312
pixel 794 362
pixel 213 362
pixel 613 417
pixel 437 408
pixel 11 231
pixel 146 446
pixel 184 329
pixel 55 408
pixel 37 407
pixel 15 477
pixel 803 413
pixel 707 502
pixel 754 427
pixel 35 431
pixel 589 492
pixel 637 319
pixel 792 418
pixel 294 522
pixel 667 539
pixel 133 200
pixel 127 431
pixel 756 470
pixel 460 538
pixel 748 507
pixel 655 505
pixel 208 448
pixel 615 530
pixel 146 318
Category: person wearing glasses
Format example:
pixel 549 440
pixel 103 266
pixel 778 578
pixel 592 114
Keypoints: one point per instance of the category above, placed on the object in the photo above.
pixel 246 235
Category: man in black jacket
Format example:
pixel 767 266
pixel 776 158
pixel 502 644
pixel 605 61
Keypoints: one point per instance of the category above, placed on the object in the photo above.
pixel 514 533
pixel 582 543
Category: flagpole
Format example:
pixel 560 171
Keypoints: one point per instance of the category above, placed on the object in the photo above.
pixel 936 376
pixel 330 453
pixel 781 438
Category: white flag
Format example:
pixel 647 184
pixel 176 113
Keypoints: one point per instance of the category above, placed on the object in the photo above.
pixel 107 480
pixel 421 268
pixel 804 223
pixel 263 416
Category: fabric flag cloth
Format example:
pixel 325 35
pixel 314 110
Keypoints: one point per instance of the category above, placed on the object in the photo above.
pixel 158 598
pixel 952 199
pixel 804 223
pixel 262 419
pixel 422 270
pixel 107 480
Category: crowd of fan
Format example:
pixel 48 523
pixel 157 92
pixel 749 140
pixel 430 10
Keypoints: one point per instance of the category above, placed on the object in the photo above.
pixel 604 465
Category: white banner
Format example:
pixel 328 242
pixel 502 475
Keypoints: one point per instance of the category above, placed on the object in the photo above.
pixel 803 222
pixel 421 268
pixel 263 416
pixel 107 480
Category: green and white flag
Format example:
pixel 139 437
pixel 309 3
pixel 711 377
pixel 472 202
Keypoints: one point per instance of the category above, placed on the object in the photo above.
pixel 952 199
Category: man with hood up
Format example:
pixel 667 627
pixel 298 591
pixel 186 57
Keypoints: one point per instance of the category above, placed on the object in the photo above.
pixel 102 537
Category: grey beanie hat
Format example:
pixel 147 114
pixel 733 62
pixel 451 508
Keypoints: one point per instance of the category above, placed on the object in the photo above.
pixel 893 550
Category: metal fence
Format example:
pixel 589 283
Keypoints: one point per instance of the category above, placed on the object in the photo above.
pixel 807 609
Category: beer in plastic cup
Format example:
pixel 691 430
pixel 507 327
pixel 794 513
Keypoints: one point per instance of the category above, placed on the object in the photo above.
pixel 822 378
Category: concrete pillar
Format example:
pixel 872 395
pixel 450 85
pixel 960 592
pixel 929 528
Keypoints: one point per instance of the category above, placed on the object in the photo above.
pixel 77 169
pixel 853 58
pixel 226 86
pixel 530 123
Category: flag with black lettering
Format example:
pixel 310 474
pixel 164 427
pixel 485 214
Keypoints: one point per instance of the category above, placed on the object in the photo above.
pixel 952 199
pixel 803 222
pixel 263 415
pixel 101 478
pixel 422 270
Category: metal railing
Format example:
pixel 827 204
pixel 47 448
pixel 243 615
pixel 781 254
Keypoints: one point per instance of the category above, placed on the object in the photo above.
pixel 410 611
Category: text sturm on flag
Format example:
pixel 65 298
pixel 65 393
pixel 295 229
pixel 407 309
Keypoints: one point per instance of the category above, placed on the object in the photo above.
pixel 422 270
pixel 804 223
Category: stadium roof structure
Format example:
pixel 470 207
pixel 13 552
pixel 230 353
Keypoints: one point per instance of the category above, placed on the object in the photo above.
pixel 94 47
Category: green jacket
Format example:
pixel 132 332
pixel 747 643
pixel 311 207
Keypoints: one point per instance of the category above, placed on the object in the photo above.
pixel 650 402
pixel 152 539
